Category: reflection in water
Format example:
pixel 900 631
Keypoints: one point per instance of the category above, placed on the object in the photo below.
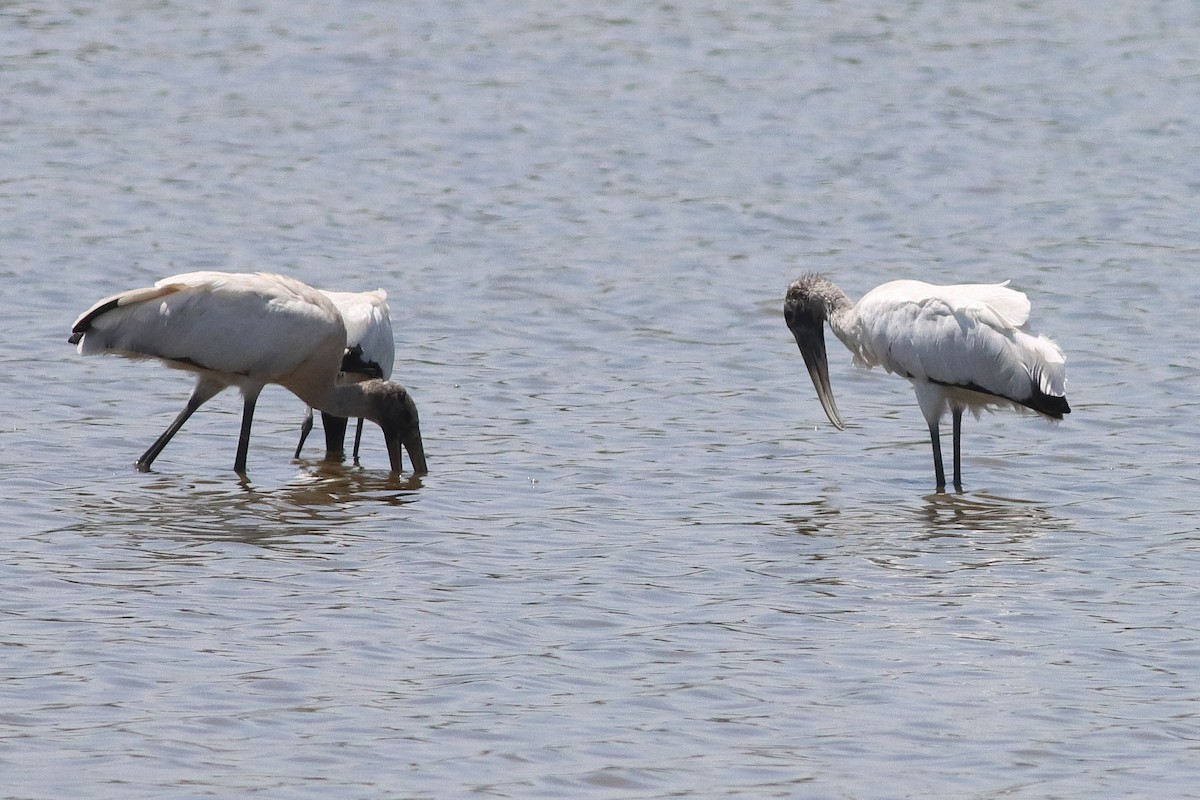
pixel 936 535
pixel 334 482
pixel 609 580
pixel 327 497
pixel 948 514
pixel 941 513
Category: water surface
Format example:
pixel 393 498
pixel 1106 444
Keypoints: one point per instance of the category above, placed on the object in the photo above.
pixel 643 564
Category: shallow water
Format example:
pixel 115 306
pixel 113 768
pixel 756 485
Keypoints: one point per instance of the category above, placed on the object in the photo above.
pixel 643 564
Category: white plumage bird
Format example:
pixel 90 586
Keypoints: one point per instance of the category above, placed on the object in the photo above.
pixel 247 330
pixel 963 347
pixel 370 353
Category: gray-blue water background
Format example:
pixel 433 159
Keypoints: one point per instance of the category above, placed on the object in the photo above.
pixel 643 564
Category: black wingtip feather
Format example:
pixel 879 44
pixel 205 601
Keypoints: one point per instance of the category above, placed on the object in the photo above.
pixel 1052 406
pixel 354 362
pixel 85 322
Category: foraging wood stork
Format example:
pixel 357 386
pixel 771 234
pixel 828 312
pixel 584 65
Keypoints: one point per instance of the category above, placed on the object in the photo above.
pixel 370 353
pixel 247 330
pixel 962 347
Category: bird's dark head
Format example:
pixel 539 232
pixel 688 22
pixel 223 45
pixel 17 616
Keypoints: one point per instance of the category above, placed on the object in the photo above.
pixel 396 413
pixel 805 309
pixel 806 301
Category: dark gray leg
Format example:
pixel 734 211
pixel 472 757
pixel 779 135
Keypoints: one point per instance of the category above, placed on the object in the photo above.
pixel 357 438
pixel 335 436
pixel 203 392
pixel 957 412
pixel 935 437
pixel 239 463
pixel 305 429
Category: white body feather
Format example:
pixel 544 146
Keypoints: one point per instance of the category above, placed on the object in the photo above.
pixel 369 331
pixel 954 336
pixel 226 325
pixel 368 325
pixel 249 330
pixel 962 347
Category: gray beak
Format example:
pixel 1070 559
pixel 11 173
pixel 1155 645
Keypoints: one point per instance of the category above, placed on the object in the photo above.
pixel 405 431
pixel 811 340
pixel 411 440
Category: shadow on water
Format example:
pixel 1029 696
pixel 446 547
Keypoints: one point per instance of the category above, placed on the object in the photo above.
pixel 325 498
pixel 970 516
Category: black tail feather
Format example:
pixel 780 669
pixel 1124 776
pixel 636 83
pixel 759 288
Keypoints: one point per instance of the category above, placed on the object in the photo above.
pixel 1050 405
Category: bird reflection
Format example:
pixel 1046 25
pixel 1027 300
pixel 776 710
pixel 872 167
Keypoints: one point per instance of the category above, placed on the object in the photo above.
pixel 326 499
pixel 947 513
pixel 936 515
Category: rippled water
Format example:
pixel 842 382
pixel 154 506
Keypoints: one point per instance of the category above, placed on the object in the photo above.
pixel 643 564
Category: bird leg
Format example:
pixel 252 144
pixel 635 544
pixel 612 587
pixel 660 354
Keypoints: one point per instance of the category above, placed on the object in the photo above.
pixel 251 397
pixel 305 429
pixel 935 437
pixel 957 413
pixel 335 436
pixel 204 391
pixel 357 438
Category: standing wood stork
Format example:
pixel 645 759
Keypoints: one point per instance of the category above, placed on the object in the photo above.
pixel 247 330
pixel 370 353
pixel 962 347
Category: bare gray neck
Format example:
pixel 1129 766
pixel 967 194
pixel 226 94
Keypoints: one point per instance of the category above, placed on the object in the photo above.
pixel 347 400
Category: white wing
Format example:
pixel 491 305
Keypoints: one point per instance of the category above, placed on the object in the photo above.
pixel 967 335
pixel 1009 307
pixel 368 325
pixel 219 321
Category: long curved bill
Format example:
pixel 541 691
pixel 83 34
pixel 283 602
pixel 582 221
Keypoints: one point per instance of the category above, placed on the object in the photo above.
pixel 411 441
pixel 811 340
pixel 416 454
pixel 406 432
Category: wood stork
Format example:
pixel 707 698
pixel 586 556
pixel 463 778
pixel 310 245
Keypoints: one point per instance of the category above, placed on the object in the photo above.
pixel 962 347
pixel 247 330
pixel 370 353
